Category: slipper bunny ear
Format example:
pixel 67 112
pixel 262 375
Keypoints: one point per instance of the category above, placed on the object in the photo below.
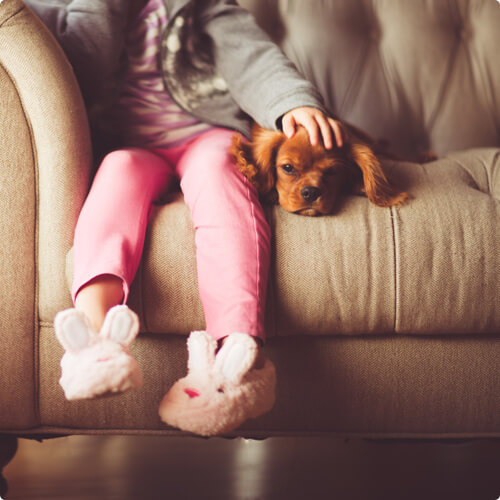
pixel 121 325
pixel 201 351
pixel 73 330
pixel 236 357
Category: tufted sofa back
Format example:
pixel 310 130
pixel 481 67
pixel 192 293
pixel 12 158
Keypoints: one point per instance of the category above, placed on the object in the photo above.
pixel 423 74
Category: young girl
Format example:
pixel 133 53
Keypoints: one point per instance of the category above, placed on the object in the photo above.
pixel 181 76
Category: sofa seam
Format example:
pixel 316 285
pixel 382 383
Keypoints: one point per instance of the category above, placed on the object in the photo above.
pixel 14 14
pixel 36 340
pixel 487 86
pixel 351 88
pixel 496 157
pixel 450 65
pixel 51 431
pixel 393 215
pixel 477 186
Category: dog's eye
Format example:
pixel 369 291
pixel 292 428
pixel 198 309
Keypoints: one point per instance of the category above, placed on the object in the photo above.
pixel 288 169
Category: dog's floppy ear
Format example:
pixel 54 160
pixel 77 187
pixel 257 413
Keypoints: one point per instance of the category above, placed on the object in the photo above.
pixel 256 159
pixel 375 184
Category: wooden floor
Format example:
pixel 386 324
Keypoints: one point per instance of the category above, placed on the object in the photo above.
pixel 142 468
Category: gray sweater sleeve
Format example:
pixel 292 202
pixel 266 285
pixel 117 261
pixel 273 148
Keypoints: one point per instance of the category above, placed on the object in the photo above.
pixel 91 32
pixel 263 82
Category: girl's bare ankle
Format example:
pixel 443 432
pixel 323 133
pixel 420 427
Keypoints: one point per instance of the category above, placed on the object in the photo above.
pixel 97 297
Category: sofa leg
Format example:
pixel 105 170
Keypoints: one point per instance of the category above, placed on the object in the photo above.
pixel 8 448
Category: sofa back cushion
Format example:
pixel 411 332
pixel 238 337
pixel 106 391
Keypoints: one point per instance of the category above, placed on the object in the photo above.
pixel 423 75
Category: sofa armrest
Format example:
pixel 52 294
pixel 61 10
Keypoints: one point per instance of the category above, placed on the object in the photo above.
pixel 45 167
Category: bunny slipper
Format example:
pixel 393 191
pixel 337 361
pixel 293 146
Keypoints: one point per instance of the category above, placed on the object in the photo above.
pixel 221 390
pixel 97 364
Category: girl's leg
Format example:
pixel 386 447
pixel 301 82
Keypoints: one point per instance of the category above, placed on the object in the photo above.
pixel 109 239
pixel 110 232
pixel 232 250
pixel 232 237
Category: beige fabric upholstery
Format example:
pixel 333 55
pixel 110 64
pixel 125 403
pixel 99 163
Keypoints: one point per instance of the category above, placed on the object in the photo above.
pixel 44 175
pixel 17 253
pixel 364 307
pixel 59 138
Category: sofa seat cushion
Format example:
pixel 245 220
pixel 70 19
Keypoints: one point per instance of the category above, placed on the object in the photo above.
pixel 378 387
pixel 429 267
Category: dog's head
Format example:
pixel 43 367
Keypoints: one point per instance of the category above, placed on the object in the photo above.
pixel 310 180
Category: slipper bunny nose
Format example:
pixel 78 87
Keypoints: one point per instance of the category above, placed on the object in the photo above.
pixel 191 393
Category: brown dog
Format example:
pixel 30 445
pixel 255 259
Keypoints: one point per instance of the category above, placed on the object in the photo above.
pixel 309 180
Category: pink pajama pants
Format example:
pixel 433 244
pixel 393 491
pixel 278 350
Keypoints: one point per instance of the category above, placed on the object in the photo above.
pixel 232 236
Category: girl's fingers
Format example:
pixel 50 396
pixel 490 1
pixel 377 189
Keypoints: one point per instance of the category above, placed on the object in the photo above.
pixel 338 131
pixel 326 129
pixel 288 124
pixel 312 128
pixel 317 126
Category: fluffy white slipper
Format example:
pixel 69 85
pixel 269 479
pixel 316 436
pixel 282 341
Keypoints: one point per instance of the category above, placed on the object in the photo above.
pixel 97 365
pixel 220 391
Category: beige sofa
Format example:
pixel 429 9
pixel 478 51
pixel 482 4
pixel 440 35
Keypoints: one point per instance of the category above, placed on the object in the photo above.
pixel 381 322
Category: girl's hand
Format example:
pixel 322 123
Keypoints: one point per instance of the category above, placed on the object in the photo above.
pixel 316 123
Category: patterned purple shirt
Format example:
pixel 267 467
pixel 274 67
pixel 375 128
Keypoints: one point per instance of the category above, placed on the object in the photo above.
pixel 148 115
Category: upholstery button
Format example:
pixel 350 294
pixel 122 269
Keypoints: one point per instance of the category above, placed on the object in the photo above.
pixel 374 35
pixel 465 33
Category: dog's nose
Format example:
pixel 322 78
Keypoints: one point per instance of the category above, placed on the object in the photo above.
pixel 310 193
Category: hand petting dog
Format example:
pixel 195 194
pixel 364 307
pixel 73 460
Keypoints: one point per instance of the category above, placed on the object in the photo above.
pixel 316 123
pixel 298 171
